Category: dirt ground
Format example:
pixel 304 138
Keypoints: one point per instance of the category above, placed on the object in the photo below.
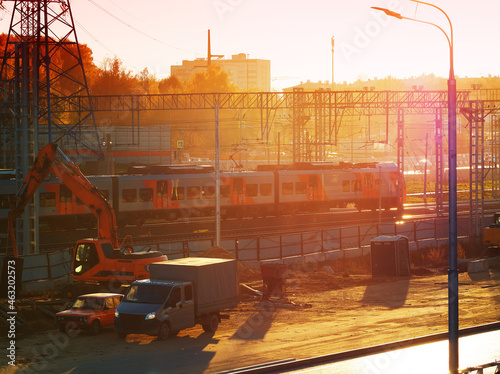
pixel 327 310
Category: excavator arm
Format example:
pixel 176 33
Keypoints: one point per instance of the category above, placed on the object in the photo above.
pixel 73 178
pixel 90 195
pixel 39 170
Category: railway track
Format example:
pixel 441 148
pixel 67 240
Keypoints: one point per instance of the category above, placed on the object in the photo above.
pixel 203 228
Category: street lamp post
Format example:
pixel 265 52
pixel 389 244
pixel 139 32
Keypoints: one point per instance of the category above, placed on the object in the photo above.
pixel 333 77
pixel 452 165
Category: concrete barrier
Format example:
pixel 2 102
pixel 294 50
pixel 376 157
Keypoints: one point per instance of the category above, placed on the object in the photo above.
pixel 477 266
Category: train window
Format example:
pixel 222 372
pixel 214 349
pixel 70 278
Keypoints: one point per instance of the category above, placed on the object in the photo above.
pixel 225 190
pixel 161 189
pixel 266 189
pixel 300 187
pixel 208 192
pixel 5 201
pixel 193 192
pixel 287 188
pixel 252 189
pixel 238 185
pixel 65 195
pixel 145 195
pixel 47 199
pixel 177 193
pixel 356 185
pixel 129 195
pixel 313 182
pixel 346 186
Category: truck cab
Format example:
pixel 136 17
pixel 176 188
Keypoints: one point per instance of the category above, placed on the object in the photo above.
pixel 156 307
pixel 180 294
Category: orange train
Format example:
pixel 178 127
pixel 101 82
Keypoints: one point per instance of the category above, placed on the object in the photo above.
pixel 171 192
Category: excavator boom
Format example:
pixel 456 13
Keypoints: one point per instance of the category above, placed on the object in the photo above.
pixel 95 259
pixel 33 180
pixel 73 178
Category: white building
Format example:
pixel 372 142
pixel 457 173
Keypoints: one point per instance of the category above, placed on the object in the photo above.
pixel 246 74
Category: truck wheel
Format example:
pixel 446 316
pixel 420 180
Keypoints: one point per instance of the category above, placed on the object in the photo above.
pixel 164 331
pixel 95 327
pixel 211 323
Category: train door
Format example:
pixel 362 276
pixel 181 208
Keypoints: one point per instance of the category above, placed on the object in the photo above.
pixel 161 198
pixel 65 200
pixel 315 188
pixel 238 193
pixel 369 186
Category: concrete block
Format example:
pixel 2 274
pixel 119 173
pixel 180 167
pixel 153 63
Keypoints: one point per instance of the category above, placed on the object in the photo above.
pixel 477 266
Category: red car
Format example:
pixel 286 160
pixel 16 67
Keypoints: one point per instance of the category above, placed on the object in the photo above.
pixel 90 312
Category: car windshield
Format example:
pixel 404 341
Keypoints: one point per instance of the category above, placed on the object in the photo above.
pixel 94 303
pixel 147 293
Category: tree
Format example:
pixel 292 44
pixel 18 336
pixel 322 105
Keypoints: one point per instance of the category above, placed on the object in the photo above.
pixel 213 79
pixel 112 79
pixel 148 84
pixel 170 85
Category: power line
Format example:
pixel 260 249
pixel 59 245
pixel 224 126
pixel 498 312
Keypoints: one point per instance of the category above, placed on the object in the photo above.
pixel 101 44
pixel 137 30
pixel 144 21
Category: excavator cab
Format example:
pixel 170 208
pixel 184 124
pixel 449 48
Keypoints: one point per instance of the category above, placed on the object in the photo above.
pixel 86 257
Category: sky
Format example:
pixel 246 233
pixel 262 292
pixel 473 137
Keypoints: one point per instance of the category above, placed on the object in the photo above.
pixel 294 35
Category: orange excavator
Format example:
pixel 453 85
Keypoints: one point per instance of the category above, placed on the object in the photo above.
pixel 100 261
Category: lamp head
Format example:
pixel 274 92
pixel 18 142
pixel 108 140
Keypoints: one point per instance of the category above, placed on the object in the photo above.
pixel 388 12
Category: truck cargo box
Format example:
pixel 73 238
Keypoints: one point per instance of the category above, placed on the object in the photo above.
pixel 215 280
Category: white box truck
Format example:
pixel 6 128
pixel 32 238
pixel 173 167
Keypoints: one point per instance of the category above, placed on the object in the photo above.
pixel 179 294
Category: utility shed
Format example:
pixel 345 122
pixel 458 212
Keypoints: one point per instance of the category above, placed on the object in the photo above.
pixel 390 256
pixel 215 280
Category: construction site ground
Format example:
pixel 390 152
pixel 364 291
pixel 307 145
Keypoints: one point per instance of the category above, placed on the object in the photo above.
pixel 326 311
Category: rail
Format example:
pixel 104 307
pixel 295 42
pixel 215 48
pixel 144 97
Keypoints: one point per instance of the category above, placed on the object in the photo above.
pixel 312 246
